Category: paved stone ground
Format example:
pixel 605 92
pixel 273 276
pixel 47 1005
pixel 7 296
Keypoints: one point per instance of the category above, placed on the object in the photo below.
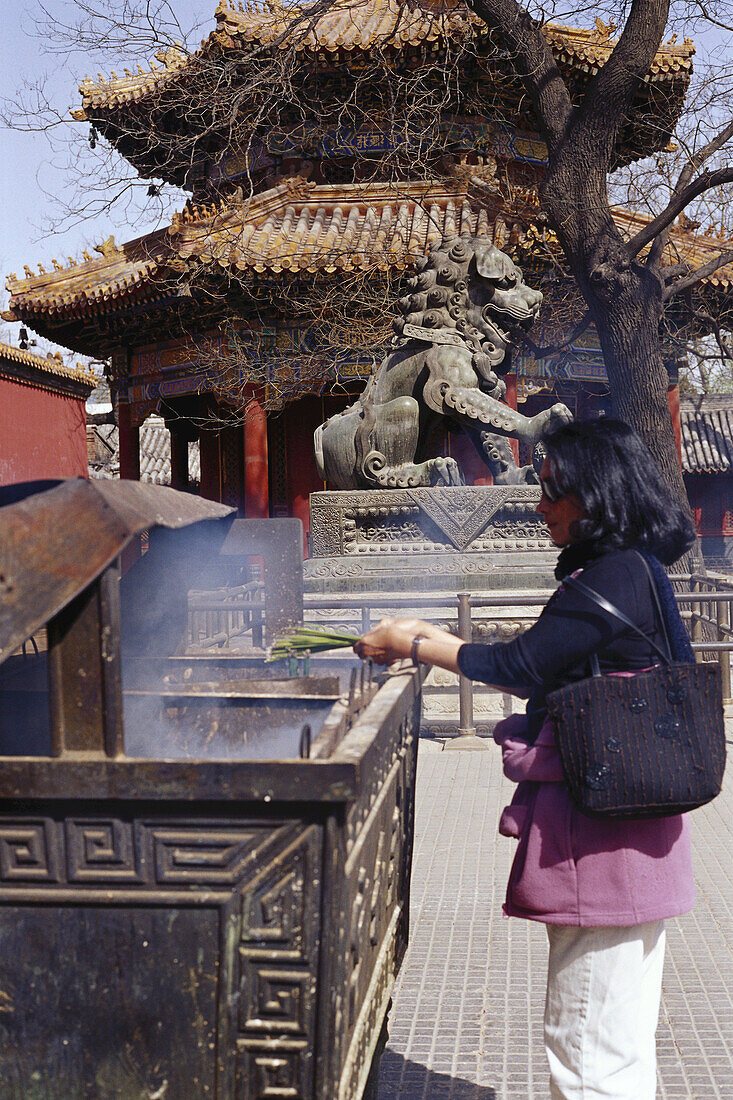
pixel 467 1017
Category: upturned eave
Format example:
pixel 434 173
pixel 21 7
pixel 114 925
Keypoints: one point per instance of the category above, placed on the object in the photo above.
pixel 303 231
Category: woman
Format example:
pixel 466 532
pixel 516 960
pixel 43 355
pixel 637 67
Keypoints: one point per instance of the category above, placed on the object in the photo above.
pixel 602 887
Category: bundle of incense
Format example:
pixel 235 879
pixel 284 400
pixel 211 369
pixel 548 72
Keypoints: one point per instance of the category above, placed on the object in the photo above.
pixel 309 639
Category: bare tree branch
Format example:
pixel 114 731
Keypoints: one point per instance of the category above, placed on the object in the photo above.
pixel 703 155
pixel 695 162
pixel 698 274
pixel 534 59
pixel 677 204
pixel 552 349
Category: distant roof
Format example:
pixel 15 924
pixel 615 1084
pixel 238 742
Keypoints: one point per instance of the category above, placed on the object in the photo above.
pixel 155 453
pixel 706 424
pixel 30 369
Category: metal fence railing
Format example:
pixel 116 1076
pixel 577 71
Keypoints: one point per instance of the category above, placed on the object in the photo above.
pixel 224 618
pixel 225 615
pixel 702 607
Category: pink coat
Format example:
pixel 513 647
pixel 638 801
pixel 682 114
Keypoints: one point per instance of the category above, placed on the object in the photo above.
pixel 577 870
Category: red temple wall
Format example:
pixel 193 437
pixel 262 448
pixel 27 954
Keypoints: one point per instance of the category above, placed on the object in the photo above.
pixel 42 434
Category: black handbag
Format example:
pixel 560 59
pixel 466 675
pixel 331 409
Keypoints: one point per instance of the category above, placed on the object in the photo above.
pixel 651 744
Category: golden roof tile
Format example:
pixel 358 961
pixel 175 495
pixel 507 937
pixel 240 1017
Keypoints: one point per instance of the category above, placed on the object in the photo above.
pixel 591 49
pixel 353 26
pixel 80 286
pixel 307 227
pixel 11 356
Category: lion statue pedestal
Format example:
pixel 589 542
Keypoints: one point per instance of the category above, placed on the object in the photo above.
pixel 455 538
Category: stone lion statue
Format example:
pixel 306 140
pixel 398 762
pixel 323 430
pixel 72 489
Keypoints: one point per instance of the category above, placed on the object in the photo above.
pixel 452 346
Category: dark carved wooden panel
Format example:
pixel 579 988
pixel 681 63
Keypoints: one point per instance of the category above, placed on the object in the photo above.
pixel 146 956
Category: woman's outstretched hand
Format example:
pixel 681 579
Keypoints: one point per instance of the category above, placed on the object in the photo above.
pixel 391 640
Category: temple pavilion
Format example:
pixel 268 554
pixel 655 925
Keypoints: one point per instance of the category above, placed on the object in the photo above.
pixel 301 200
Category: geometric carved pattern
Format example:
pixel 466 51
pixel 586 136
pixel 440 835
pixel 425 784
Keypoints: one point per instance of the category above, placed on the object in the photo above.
pixel 257 882
pixel 267 1075
pixel 374 905
pixel 274 1000
pixel 265 876
pixel 273 907
pixel 207 856
pixel 465 519
pixel 463 514
pixel 27 852
pixel 278 968
pixel 101 851
pixel 89 851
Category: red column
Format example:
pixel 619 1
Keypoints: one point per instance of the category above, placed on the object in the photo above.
pixel 302 417
pixel 256 480
pixel 129 444
pixel 673 397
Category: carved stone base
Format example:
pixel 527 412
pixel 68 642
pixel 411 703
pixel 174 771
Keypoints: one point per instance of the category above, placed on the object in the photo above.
pixel 461 537
pixel 440 711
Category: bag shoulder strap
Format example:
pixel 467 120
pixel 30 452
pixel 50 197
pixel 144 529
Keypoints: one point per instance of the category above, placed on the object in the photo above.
pixel 657 605
pixel 597 598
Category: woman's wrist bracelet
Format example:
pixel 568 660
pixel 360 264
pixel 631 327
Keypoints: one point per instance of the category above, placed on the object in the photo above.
pixel 414 648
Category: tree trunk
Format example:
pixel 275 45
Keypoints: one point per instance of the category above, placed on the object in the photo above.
pixel 629 336
pixel 625 301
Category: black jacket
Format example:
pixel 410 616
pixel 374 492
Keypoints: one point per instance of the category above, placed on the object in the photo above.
pixel 555 651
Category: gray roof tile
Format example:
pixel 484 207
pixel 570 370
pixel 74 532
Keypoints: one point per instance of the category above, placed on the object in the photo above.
pixel 155 453
pixel 706 425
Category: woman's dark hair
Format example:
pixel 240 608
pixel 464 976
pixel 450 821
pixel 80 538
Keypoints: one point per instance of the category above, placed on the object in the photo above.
pixel 605 465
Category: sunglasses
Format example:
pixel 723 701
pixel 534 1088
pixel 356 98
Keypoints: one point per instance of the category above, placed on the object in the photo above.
pixel 551 491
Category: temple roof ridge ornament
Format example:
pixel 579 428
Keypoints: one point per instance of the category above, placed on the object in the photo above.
pixel 133 85
pixel 117 268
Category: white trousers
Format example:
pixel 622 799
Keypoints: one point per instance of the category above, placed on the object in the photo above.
pixel 604 986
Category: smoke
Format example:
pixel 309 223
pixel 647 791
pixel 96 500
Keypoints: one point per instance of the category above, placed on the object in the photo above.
pixel 182 700
pixel 192 708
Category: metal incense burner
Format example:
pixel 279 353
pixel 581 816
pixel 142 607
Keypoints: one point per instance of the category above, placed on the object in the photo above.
pixel 204 879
